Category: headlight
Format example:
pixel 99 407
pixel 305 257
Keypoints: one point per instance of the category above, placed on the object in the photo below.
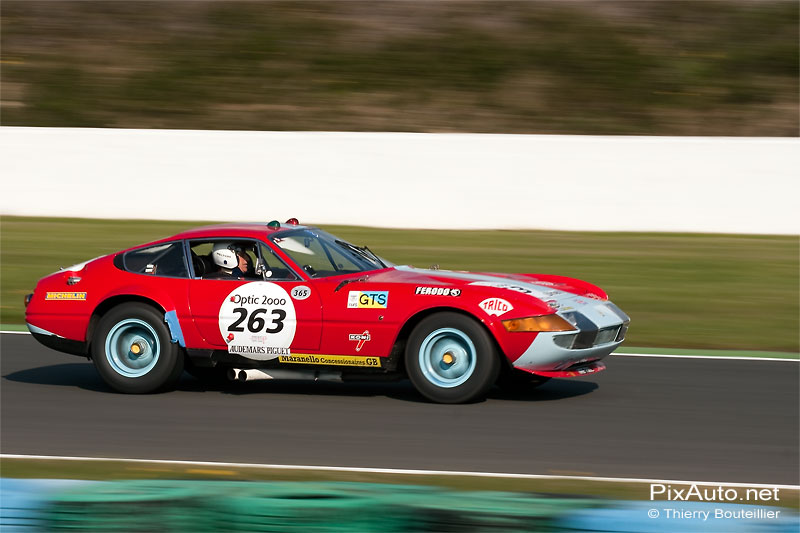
pixel 538 323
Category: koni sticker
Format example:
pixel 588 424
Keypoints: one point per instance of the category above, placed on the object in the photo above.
pixel 258 321
pixel 361 338
pixel 437 291
pixel 495 306
pixel 65 296
pixel 368 300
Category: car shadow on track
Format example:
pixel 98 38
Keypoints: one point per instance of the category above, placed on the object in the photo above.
pixel 80 375
pixel 555 389
pixel 402 390
pixel 84 376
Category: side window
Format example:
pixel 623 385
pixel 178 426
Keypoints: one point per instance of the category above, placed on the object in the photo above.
pixel 314 256
pixel 274 268
pixel 164 260
pixel 236 259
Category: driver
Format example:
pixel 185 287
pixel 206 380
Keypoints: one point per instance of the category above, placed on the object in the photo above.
pixel 231 260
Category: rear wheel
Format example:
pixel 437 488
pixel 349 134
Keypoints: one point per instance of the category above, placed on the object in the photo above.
pixel 450 358
pixel 133 352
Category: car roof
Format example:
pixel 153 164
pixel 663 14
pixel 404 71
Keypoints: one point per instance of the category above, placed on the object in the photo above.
pixel 239 230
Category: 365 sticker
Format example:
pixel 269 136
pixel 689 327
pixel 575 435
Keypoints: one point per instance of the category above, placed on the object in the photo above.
pixel 301 292
pixel 258 321
pixel 495 306
pixel 368 300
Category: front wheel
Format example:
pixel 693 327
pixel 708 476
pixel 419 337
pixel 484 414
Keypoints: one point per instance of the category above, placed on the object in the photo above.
pixel 450 358
pixel 133 352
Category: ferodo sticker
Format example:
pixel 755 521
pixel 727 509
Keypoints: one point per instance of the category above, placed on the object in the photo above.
pixel 368 300
pixel 495 306
pixel 438 291
pixel 338 360
pixel 258 321
pixel 301 292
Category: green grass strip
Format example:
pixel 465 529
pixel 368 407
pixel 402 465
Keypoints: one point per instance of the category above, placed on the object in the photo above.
pixel 13 327
pixel 706 352
pixel 111 469
pixel 688 291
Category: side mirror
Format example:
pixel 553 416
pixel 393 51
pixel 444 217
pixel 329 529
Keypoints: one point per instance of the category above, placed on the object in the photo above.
pixel 263 271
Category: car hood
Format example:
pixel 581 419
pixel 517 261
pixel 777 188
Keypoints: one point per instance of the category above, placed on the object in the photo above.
pixel 554 291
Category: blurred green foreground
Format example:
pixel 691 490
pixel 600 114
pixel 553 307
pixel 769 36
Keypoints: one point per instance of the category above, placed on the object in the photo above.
pixel 736 292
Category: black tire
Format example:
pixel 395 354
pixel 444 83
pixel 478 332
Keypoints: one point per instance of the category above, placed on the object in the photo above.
pixel 160 362
pixel 469 371
pixel 515 380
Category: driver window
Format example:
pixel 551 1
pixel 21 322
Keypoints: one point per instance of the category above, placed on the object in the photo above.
pixel 224 259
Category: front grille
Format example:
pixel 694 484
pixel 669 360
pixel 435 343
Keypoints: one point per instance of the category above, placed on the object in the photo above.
pixel 585 339
pixel 606 335
pixel 622 331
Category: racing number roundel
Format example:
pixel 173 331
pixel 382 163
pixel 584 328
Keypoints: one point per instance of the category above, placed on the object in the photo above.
pixel 258 321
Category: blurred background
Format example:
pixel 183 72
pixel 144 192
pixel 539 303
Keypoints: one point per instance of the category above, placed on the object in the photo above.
pixel 563 67
pixel 578 67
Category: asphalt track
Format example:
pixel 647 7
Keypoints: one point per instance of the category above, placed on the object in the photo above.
pixel 695 419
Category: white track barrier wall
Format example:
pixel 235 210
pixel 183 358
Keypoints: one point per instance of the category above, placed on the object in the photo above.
pixel 455 181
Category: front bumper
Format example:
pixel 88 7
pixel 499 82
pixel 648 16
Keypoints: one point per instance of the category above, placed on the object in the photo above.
pixel 600 329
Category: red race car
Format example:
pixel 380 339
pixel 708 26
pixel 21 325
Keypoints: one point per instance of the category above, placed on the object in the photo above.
pixel 263 301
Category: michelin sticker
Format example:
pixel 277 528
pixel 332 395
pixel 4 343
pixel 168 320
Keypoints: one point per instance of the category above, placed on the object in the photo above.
pixel 495 306
pixel 258 321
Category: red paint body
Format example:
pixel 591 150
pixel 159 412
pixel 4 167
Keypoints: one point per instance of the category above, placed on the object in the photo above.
pixel 324 321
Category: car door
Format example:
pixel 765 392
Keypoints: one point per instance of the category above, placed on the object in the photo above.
pixel 260 317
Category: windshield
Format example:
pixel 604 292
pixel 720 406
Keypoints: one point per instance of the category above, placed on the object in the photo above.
pixel 321 254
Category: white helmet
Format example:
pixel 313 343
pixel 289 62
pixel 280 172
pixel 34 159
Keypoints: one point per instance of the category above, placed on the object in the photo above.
pixel 224 255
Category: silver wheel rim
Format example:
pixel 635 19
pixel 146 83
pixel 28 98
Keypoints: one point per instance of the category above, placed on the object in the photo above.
pixel 132 348
pixel 447 357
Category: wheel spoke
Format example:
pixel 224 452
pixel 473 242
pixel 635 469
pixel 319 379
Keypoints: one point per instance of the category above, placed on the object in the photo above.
pixel 447 357
pixel 132 347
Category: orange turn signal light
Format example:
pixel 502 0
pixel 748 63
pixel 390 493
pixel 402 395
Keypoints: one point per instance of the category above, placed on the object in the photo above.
pixel 538 323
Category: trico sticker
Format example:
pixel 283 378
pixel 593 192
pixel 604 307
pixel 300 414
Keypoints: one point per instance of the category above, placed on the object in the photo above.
pixel 301 292
pixel 258 321
pixel 65 296
pixel 361 338
pixel 437 291
pixel 495 306
pixel 368 300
